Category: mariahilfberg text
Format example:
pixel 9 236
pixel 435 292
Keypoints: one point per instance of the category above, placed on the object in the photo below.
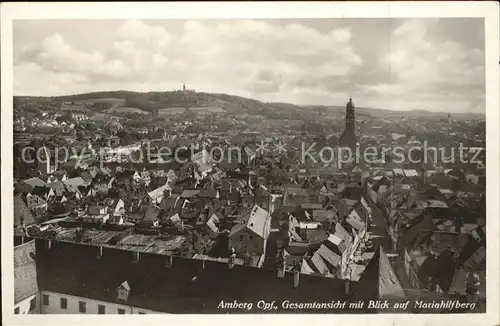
pixel 369 304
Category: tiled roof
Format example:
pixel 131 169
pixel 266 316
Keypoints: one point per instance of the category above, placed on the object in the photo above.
pixel 125 285
pixel 319 264
pixel 158 173
pixel 451 241
pixel 152 213
pixel 34 201
pixel 328 255
pixel 352 192
pixel 75 182
pixel 208 193
pixel 355 220
pixel 188 193
pixel 158 192
pixel 40 191
pixel 459 282
pixel 420 228
pixel 212 221
pixel 442 269
pixel 59 174
pixel 25 273
pixel 87 176
pixel 305 268
pixel 258 221
pixel 22 211
pixel 93 170
pixel 334 239
pixel 389 284
pixel 342 233
pixel 58 188
pixel 323 215
pixel 33 182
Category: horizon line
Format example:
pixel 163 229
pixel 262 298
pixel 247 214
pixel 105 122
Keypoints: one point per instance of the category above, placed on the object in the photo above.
pixel 265 102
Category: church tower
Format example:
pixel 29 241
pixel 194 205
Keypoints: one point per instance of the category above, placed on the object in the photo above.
pixel 348 138
pixel 185 98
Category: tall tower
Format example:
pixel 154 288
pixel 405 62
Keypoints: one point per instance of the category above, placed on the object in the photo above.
pixel 43 160
pixel 185 101
pixel 348 138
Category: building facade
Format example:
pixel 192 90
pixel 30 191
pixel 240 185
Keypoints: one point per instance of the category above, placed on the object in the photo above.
pixel 59 303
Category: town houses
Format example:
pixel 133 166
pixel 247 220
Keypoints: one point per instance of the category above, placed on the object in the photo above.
pixel 263 225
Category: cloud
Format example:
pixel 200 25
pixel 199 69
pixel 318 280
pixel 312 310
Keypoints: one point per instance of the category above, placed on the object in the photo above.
pixel 289 61
pixel 32 79
pixel 229 56
pixel 57 56
pixel 429 74
pixel 414 59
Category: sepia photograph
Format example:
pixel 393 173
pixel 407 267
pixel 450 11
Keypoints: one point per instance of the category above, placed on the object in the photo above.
pixel 251 164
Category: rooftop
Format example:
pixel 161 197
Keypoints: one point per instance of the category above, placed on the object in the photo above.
pixel 174 285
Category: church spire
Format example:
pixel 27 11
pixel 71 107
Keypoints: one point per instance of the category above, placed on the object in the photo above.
pixel 350 104
pixel 348 138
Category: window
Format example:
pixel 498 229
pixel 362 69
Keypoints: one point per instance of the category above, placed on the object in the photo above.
pixel 16 311
pixel 241 238
pixel 64 303
pixel 45 299
pixel 33 304
pixel 101 309
pixel 82 306
pixel 121 311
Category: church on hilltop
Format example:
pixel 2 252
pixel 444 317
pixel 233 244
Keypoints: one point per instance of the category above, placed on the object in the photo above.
pixel 185 89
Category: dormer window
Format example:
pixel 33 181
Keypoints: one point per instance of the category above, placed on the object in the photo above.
pixel 123 291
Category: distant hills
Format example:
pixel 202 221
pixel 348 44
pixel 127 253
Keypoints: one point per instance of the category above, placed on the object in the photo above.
pixel 173 101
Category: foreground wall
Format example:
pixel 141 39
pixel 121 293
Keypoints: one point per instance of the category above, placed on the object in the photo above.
pixel 177 285
pixel 51 304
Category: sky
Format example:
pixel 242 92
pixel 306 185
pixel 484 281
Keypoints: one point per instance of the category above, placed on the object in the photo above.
pixel 398 64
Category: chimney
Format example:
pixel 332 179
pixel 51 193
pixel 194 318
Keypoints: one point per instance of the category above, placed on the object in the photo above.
pixel 347 281
pixel 296 276
pixel 170 261
pixel 296 273
pixel 347 286
pixel 232 258
pixel 281 264
pixel 473 288
pixel 135 257
pixel 281 271
pixel 459 223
